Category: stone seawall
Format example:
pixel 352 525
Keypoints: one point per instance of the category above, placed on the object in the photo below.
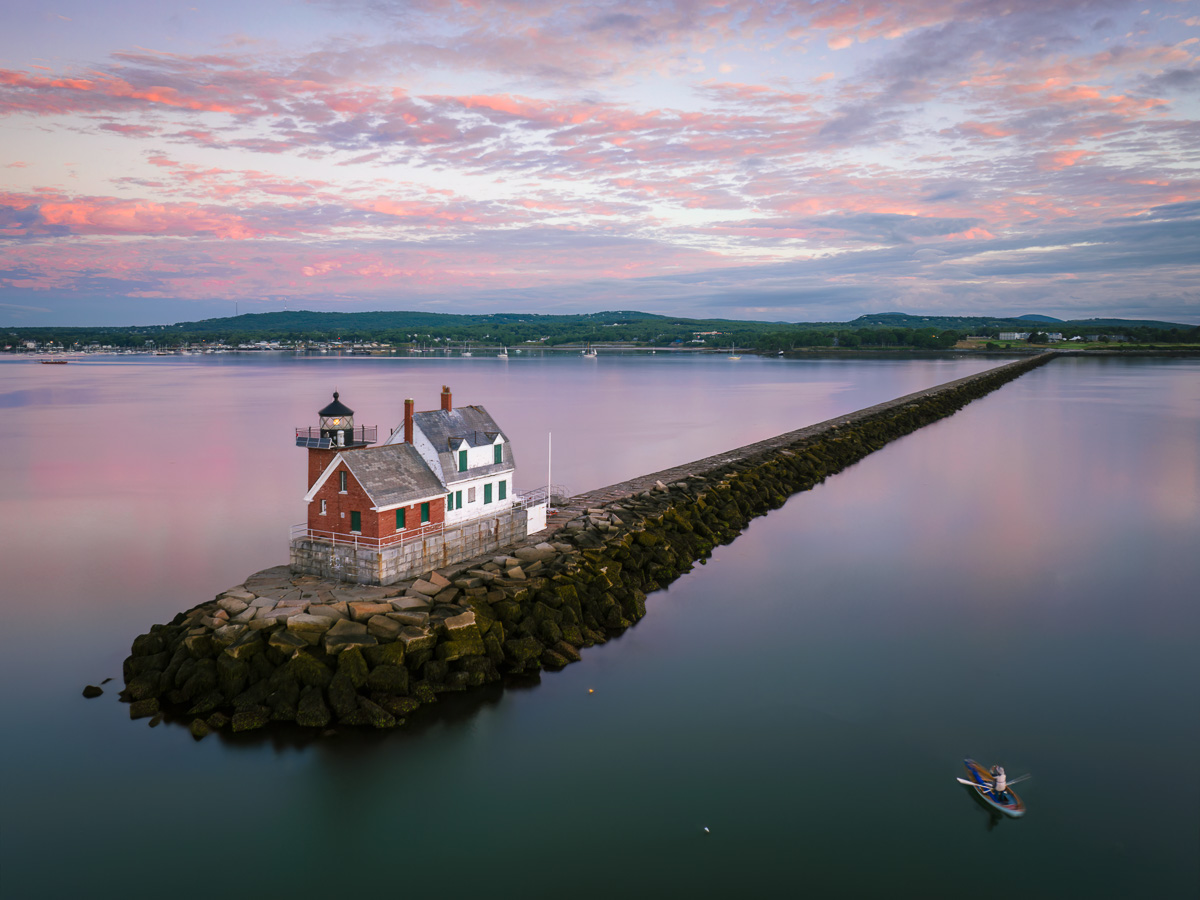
pixel 305 649
pixel 394 563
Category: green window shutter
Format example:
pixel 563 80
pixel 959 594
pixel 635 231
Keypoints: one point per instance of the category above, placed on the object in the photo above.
pixel 499 451
pixel 424 513
pixel 450 502
pixel 458 499
pixel 503 489
pixel 356 521
pixel 400 518
pixel 462 460
pixel 487 493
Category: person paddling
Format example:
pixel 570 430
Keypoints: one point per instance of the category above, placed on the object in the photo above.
pixel 999 783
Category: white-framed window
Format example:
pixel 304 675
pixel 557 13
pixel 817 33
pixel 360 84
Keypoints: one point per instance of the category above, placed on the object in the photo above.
pixel 342 482
pixel 324 507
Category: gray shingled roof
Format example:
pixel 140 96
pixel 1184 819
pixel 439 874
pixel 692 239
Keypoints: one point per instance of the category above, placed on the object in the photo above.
pixel 446 430
pixel 393 473
pixel 470 423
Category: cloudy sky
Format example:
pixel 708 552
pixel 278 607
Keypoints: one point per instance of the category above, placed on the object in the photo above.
pixel 779 160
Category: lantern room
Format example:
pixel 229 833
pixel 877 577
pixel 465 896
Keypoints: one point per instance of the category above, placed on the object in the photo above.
pixel 336 430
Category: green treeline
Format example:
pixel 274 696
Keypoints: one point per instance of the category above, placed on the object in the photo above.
pixel 891 330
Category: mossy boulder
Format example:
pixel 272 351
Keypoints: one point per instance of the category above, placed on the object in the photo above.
pixel 434 672
pixel 283 701
pixel 142 665
pixel 388 679
pixel 352 664
pixel 508 611
pixel 143 687
pixel 397 706
pixel 206 703
pixel 144 709
pixel 376 716
pixel 342 694
pixel 424 692
pixel 522 650
pixel 217 721
pixel 148 644
pixel 549 631
pixel 309 670
pixel 311 711
pixel 567 651
pixel 390 654
pixel 203 678
pixel 251 718
pixel 255 695
pixel 232 675
pixel 199 729
pixel 245 645
pixel 451 650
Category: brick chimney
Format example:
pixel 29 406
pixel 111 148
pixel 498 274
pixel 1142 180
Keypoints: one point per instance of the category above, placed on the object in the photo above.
pixel 447 403
pixel 408 421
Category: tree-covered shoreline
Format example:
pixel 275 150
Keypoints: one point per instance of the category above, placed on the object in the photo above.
pixel 627 328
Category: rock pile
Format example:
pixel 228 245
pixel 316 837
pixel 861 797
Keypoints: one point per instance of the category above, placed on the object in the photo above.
pixel 284 648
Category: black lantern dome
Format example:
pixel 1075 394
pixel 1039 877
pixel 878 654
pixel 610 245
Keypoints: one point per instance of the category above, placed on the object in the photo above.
pixel 336 429
pixel 336 417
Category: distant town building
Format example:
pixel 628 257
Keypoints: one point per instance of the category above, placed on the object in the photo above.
pixel 1014 335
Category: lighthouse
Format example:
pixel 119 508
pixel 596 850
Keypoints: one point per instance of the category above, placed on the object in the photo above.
pixel 334 433
pixel 435 493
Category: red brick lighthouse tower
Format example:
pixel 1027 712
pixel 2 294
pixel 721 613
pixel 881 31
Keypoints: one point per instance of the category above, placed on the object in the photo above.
pixel 335 433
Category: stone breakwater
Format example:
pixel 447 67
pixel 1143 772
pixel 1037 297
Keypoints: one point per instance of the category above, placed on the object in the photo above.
pixel 297 648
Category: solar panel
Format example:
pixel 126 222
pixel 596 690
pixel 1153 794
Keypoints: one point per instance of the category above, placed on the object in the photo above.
pixel 314 443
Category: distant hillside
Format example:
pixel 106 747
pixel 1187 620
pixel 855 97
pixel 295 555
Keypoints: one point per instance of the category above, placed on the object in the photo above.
pixel 981 323
pixel 892 330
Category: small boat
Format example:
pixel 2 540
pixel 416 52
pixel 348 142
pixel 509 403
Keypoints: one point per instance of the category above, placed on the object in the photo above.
pixel 589 352
pixel 503 354
pixel 994 789
pixel 733 352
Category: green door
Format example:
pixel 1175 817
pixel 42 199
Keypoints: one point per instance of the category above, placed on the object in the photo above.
pixel 356 521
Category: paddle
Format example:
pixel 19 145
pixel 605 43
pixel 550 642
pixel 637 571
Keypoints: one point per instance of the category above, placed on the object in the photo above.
pixel 1010 783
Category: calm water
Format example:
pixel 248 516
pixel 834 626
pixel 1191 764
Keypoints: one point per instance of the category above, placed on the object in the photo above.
pixel 1016 583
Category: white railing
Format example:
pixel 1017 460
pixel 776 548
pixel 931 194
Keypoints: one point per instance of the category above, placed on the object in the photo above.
pixel 523 501
pixel 539 495
pixel 357 541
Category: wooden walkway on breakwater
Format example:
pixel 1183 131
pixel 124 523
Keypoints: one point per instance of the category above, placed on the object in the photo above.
pixel 297 648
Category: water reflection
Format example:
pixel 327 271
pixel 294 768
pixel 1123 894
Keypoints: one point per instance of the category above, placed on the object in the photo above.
pixel 1012 583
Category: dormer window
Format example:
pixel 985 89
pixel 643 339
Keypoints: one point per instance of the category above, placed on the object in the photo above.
pixel 499 454
pixel 462 460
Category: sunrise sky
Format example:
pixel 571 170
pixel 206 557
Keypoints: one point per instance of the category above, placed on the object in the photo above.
pixel 795 161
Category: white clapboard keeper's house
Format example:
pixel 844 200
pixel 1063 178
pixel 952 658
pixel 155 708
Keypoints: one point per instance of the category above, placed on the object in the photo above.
pixel 437 492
